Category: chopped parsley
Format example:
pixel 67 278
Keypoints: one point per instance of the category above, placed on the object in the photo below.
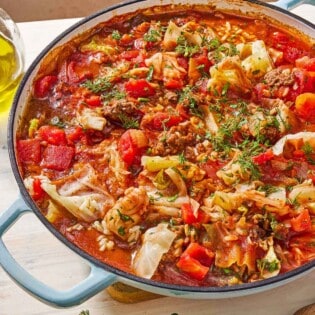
pixel 116 35
pixel 128 122
pixel 98 85
pixel 121 231
pixel 152 36
pixel 85 312
pixel 188 99
pixel 184 48
pixel 124 217
pixel 264 264
pixel 172 198
pixel 182 158
pixel 150 73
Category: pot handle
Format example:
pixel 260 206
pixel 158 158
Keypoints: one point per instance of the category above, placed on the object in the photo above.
pixel 97 280
pixel 291 4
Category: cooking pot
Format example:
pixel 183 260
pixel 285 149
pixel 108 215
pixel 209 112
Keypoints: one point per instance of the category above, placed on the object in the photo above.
pixel 102 275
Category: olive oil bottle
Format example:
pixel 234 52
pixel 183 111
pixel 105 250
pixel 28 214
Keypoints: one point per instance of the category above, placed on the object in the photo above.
pixel 10 72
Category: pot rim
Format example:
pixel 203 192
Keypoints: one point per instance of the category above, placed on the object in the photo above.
pixel 276 280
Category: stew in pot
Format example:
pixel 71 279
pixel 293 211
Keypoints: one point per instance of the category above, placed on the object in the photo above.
pixel 178 144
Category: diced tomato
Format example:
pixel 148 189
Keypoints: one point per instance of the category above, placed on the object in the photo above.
pixel 302 222
pixel 263 158
pixel 189 217
pixel 306 63
pixel 182 111
pixel 279 38
pixel 204 255
pixel 129 54
pixel 93 100
pixel 126 40
pixel 57 158
pixel 129 150
pixel 53 135
pixel 260 90
pixel 174 84
pixel 44 85
pixel 183 62
pixel 139 88
pixel 161 121
pixel 202 60
pixel 291 53
pixel 305 81
pixel 298 154
pixel 74 134
pixel 211 168
pixel 38 191
pixel 192 267
pixel 29 151
pixel 305 106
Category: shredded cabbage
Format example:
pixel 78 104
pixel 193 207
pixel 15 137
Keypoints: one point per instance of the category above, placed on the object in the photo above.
pixel 156 242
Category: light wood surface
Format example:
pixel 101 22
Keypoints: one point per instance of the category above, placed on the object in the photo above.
pixel 49 260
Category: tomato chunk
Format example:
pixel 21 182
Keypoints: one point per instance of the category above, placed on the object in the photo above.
pixel 53 135
pixel 195 261
pixel 29 151
pixel 57 158
pixel 93 100
pixel 192 267
pixel 305 106
pixel 302 222
pixel 131 146
pixel 44 85
pixel 161 121
pixel 189 217
pixel 204 255
pixel 263 158
pixel 139 88
pixel 38 191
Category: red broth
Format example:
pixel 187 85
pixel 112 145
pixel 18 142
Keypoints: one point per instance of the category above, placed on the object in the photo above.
pixel 178 146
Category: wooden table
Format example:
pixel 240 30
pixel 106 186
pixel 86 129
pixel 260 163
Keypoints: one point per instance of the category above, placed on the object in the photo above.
pixel 49 260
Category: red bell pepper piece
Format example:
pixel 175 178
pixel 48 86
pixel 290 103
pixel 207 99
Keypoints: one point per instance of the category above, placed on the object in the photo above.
pixel 302 222
pixel 139 88
pixel 44 85
pixel 53 135
pixel 29 151
pixel 306 63
pixel 57 158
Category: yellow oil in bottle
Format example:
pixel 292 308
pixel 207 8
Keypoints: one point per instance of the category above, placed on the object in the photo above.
pixel 9 73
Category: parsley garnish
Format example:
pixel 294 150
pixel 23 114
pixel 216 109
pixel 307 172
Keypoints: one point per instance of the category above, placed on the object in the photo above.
pixel 124 217
pixel 85 312
pixel 172 198
pixel 182 158
pixel 128 122
pixel 190 101
pixel 150 73
pixel 268 189
pixel 116 35
pixel 184 48
pixel 121 231
pixel 152 36
pixel 264 264
pixel 98 85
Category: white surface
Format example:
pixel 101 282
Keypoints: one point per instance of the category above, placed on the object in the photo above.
pixel 40 253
